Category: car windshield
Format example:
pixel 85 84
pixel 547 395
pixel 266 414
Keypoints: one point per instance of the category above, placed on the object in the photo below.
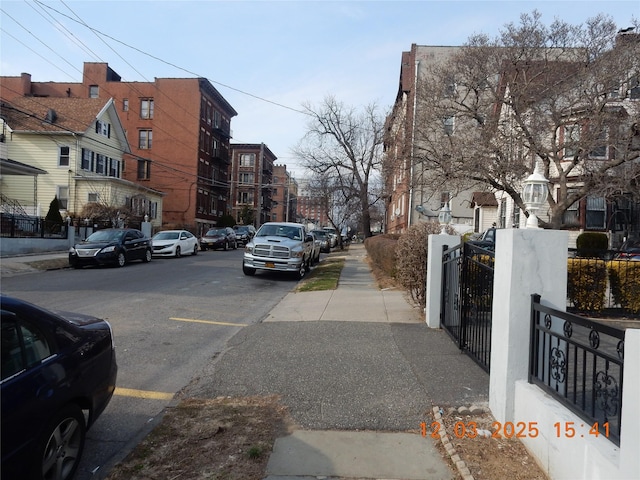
pixel 242 229
pixel 288 231
pixel 215 232
pixel 166 236
pixel 105 236
pixel 320 234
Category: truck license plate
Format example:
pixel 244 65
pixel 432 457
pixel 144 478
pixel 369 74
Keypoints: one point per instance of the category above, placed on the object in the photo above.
pixel 270 265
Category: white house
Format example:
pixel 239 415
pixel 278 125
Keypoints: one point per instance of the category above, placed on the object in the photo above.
pixel 77 145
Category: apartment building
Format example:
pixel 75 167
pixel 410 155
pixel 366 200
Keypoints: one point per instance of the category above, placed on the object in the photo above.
pixel 410 196
pixel 285 195
pixel 179 130
pixel 251 184
pixel 311 207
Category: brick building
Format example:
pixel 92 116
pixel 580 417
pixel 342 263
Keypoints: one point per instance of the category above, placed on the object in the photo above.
pixel 252 181
pixel 285 195
pixel 178 129
pixel 311 208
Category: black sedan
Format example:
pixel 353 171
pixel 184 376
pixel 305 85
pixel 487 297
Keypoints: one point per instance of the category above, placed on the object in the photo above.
pixel 219 237
pixel 112 246
pixel 55 367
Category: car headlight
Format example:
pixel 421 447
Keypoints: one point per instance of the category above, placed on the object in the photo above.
pixel 72 250
pixel 297 253
pixel 110 248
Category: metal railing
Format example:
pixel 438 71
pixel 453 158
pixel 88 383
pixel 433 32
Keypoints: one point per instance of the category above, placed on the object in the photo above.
pixel 580 363
pixel 21 226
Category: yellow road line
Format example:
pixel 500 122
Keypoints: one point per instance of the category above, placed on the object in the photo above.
pixel 210 322
pixel 130 392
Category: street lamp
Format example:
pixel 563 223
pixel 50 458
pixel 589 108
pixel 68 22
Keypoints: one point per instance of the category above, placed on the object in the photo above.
pixel 534 195
pixel 444 218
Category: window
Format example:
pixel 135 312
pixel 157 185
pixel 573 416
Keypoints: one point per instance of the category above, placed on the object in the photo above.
pixel 63 196
pixel 63 158
pixel 449 124
pixel 93 197
pixel 601 150
pixel 125 104
pixel 571 216
pixel 103 128
pixel 245 197
pixel 23 345
pixel 451 89
pixel 245 178
pixel 87 160
pixel 145 138
pixel 596 213
pixel 516 216
pixel 101 164
pixel 247 159
pixel 146 108
pixel 502 214
pixel 94 91
pixel 571 139
pixel 144 169
pixel 114 168
pixel 634 88
pixel 444 199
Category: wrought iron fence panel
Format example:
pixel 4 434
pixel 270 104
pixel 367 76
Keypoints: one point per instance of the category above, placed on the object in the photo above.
pixel 467 297
pixel 580 363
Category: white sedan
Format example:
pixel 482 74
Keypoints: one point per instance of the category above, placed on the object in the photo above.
pixel 174 243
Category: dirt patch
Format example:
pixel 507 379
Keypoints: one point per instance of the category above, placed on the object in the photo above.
pixel 481 445
pixel 223 438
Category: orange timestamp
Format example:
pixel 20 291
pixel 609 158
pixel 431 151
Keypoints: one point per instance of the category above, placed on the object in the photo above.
pixel 517 430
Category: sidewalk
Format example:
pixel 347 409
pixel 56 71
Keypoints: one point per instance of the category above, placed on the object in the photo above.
pixel 358 370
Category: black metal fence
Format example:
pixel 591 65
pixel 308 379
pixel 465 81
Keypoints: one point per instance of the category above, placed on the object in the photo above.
pixel 25 226
pixel 467 298
pixel 580 363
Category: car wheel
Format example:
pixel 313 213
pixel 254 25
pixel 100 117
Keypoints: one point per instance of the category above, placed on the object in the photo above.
pixel 302 271
pixel 178 254
pixel 195 250
pixel 59 449
pixel 122 259
pixel 248 270
pixel 147 256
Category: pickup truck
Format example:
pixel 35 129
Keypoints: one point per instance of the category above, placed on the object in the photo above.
pixel 279 247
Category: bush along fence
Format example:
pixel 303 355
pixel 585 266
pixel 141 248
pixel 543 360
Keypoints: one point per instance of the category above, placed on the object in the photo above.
pixel 596 285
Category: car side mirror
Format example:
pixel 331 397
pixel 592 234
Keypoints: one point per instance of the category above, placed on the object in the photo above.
pixel 308 238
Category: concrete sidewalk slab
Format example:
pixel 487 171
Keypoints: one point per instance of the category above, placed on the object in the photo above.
pixel 371 455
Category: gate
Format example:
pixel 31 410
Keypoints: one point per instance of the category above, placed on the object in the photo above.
pixel 467 297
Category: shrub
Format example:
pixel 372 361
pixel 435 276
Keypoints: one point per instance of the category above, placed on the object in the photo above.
pixel 381 249
pixel 411 260
pixel 587 283
pixel 53 219
pixel 592 244
pixel 625 284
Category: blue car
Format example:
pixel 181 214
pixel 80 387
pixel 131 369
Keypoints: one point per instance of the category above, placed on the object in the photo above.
pixel 58 375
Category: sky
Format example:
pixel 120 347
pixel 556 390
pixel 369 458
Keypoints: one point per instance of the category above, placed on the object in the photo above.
pixel 267 58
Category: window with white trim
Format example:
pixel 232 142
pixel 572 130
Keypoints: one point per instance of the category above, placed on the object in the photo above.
pixel 449 124
pixel 245 178
pixel 62 193
pixel 596 213
pixel 247 159
pixel 145 139
pixel 146 108
pixel 86 163
pixel 93 197
pixel 571 139
pixel 63 157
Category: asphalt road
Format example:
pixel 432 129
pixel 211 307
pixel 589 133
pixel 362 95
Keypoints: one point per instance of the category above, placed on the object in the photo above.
pixel 171 318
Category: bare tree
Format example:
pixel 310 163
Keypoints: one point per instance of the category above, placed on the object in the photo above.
pixel 345 145
pixel 562 97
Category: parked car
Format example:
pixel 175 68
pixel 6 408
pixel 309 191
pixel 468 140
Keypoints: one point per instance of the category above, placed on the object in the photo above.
pixel 173 243
pixel 323 238
pixel 629 250
pixel 219 237
pixel 58 375
pixel 333 236
pixel 244 233
pixel 315 249
pixel 112 246
pixel 279 247
pixel 486 240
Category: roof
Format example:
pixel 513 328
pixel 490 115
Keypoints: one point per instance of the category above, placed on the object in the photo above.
pixel 52 115
pixel 483 199
pixel 12 167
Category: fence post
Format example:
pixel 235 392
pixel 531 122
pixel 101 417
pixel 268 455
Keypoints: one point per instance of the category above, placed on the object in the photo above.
pixel 433 294
pixel 527 261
